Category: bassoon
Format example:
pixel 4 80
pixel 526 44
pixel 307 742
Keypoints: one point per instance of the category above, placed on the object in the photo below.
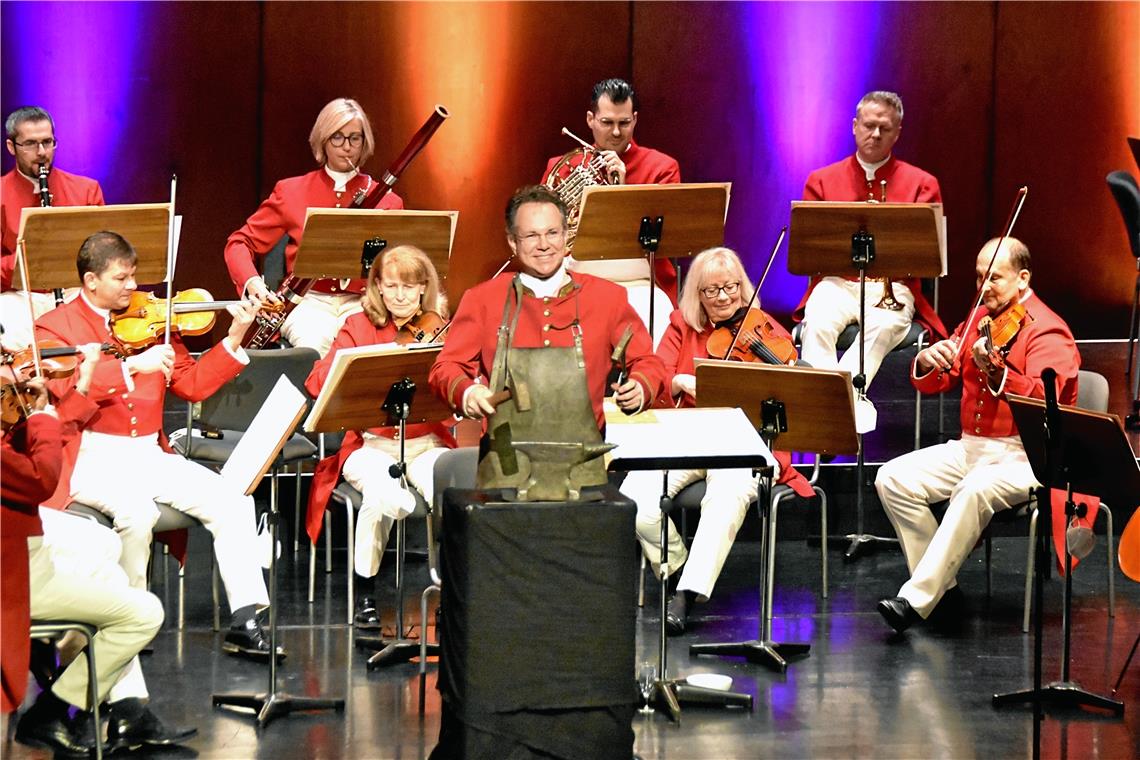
pixel 293 288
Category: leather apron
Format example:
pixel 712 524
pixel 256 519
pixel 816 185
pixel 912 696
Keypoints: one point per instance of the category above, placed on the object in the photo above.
pixel 543 441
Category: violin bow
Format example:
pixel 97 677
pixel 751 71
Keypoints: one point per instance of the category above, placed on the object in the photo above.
pixel 756 292
pixel 170 262
pixel 1014 212
pixel 22 253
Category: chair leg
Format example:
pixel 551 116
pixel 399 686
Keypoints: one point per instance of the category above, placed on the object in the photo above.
pixel 215 577
pixel 312 571
pixel 93 692
pixel 1030 565
pixel 822 541
pixel 181 596
pixel 641 580
pixel 1111 561
pixel 297 511
pixel 328 544
pixel 351 543
pixel 424 641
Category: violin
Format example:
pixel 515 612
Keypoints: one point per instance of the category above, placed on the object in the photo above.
pixel 750 335
pixel 1000 331
pixel 192 312
pixel 56 360
pixel 424 327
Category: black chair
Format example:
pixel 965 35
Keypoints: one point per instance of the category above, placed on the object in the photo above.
pixel 1127 194
pixel 1092 394
pixel 169 519
pixel 231 410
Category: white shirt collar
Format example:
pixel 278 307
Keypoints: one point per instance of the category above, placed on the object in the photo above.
pixel 548 287
pixel 340 179
pixel 104 313
pixel 870 169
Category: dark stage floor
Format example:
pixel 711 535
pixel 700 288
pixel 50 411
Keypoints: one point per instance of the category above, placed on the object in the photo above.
pixel 862 692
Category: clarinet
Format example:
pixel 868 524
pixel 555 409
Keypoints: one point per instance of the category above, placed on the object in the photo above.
pixel 293 289
pixel 45 202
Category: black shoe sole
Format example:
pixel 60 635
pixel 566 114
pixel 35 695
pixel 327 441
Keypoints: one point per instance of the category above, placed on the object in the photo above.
pixel 251 654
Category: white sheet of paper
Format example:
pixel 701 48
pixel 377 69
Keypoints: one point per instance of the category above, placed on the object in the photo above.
pixel 686 433
pixel 262 441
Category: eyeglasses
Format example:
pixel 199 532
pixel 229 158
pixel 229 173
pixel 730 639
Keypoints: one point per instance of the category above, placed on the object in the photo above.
pixel 355 139
pixel 530 240
pixel 31 145
pixel 729 288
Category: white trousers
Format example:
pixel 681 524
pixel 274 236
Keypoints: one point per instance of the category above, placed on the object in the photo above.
pixel 383 499
pixel 317 319
pixel 18 329
pixel 834 304
pixel 126 618
pixel 123 478
pixel 727 496
pixel 979 476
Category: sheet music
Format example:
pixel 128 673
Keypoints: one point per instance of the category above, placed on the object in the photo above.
pixel 685 432
pixel 262 441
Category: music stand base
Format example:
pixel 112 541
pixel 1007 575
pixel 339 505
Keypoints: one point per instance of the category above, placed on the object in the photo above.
pixel 670 694
pixel 768 653
pixel 864 544
pixel 397 651
pixel 270 706
pixel 1063 693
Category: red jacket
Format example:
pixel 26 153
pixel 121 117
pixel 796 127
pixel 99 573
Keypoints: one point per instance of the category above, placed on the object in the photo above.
pixel 31 457
pixel 680 346
pixel 358 330
pixel 646 166
pixel 846 181
pixel 600 307
pixel 17 193
pixel 283 213
pixel 1043 341
pixel 120 409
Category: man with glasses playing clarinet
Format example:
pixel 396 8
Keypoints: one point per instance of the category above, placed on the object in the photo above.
pixel 31 141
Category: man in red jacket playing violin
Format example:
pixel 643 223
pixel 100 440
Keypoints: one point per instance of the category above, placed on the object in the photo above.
pixel 986 470
pixel 119 464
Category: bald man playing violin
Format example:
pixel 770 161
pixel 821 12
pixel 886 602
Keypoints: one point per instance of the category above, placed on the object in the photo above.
pixel 121 465
pixel 986 470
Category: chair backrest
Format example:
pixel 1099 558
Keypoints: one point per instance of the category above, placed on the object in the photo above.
pixel 1092 391
pixel 1127 193
pixel 273 265
pixel 455 468
pixel 235 405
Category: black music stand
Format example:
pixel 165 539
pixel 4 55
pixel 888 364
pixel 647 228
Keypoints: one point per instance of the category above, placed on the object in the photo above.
pixel 362 381
pixel 273 703
pixel 613 216
pixel 52 236
pixel 897 240
pixel 1075 450
pixel 666 441
pixel 802 408
pixel 334 238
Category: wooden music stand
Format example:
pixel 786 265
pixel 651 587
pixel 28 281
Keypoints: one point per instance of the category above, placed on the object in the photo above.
pixel 52 237
pixel 801 409
pixel 259 446
pixel 1078 451
pixel 334 239
pixel 898 240
pixel 614 216
pixel 665 439
pixel 369 386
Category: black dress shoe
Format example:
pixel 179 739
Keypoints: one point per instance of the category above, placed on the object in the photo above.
pixel 64 735
pixel 898 613
pixel 249 639
pixel 677 614
pixel 366 616
pixel 143 729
